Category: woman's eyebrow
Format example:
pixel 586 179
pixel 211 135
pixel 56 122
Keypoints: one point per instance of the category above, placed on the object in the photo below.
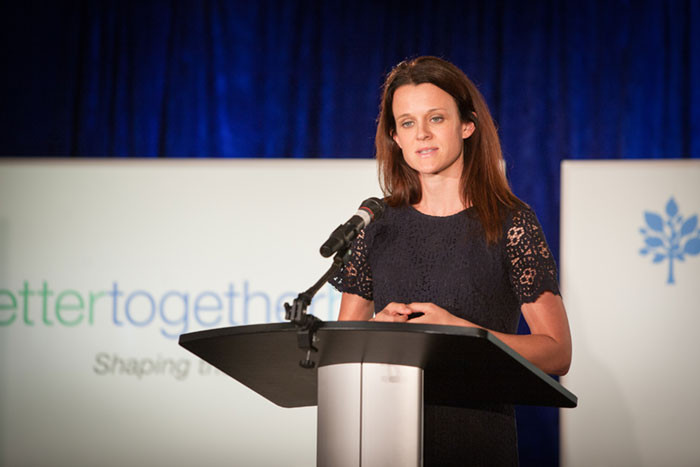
pixel 407 114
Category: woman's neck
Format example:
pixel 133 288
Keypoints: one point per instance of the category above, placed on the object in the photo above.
pixel 440 196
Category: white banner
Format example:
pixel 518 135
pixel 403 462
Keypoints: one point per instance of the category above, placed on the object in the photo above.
pixel 630 272
pixel 103 264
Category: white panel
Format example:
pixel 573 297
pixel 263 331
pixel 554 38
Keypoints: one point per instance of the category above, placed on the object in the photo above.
pixel 133 253
pixel 392 415
pixel 634 333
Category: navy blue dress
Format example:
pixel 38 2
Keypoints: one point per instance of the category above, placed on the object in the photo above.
pixel 407 256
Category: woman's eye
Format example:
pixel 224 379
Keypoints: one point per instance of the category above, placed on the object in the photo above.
pixel 437 119
pixel 407 124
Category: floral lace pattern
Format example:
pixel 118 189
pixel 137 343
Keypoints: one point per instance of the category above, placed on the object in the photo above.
pixel 356 275
pixel 407 256
pixel 532 268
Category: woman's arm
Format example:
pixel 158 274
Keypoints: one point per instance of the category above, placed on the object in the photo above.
pixel 355 308
pixel 548 346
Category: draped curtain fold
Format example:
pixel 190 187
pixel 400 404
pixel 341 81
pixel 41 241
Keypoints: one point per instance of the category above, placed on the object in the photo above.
pixel 564 79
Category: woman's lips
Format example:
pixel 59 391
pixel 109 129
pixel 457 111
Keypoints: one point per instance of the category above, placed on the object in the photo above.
pixel 426 151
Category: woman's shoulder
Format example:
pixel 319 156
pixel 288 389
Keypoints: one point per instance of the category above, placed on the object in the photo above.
pixel 379 222
pixel 522 215
pixel 521 223
pixel 400 218
pixel 392 214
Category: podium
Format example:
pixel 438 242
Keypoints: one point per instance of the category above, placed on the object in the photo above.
pixel 371 379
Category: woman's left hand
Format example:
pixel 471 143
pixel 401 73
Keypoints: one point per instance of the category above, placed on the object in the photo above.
pixel 433 314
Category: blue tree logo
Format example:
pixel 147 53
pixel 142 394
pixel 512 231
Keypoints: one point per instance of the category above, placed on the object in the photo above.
pixel 670 239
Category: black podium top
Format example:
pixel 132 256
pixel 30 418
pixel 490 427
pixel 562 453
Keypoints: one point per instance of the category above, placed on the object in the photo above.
pixel 462 365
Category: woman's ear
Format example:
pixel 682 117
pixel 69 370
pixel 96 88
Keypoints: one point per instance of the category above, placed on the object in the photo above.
pixel 396 139
pixel 468 129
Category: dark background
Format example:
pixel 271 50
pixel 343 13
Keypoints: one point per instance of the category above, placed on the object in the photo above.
pixel 564 80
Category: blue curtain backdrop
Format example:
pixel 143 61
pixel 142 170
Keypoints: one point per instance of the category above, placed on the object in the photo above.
pixel 564 79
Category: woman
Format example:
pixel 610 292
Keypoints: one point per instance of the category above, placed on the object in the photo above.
pixel 454 247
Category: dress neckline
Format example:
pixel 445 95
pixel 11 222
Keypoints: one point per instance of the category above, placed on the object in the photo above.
pixel 430 216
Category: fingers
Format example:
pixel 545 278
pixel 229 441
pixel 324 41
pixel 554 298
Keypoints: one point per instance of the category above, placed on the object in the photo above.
pixel 416 312
pixel 430 313
pixel 393 312
pixel 394 308
pixel 390 318
pixel 422 307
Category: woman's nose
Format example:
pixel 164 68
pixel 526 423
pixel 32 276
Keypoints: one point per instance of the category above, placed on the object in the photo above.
pixel 423 131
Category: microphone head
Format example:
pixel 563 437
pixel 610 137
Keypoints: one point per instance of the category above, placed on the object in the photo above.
pixel 374 207
pixel 370 210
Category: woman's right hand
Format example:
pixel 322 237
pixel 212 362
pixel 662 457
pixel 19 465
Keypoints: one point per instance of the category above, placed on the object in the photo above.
pixel 393 312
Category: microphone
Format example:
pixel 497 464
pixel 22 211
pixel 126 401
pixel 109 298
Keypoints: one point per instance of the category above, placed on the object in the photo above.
pixel 370 210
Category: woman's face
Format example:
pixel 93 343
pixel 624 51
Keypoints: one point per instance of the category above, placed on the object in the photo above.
pixel 429 130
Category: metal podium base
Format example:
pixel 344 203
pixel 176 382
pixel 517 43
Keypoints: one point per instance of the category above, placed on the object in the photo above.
pixel 370 414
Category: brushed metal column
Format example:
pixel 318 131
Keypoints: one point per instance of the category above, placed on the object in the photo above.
pixel 339 415
pixel 369 415
pixel 392 415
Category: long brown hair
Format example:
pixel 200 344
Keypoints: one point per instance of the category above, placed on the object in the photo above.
pixel 483 181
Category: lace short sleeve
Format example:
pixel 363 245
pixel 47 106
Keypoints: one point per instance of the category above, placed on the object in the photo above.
pixel 356 276
pixel 530 263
